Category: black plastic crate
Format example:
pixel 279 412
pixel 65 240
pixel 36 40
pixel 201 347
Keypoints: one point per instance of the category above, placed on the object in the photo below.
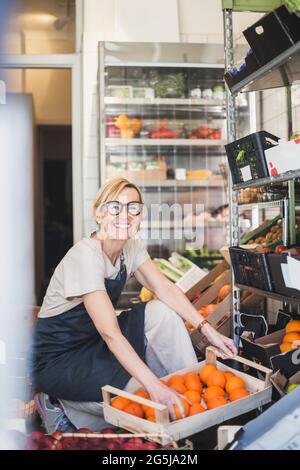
pixel 275 261
pixel 235 75
pixel 246 156
pixel 273 34
pixel 251 268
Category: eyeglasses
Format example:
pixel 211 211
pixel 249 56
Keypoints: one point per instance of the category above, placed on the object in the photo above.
pixel 115 207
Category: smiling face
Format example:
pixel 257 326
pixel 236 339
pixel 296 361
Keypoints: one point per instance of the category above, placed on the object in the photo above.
pixel 124 225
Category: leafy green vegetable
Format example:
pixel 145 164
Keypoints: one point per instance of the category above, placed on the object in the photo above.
pixel 292 5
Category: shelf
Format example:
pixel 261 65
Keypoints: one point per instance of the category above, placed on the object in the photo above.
pixel 165 142
pixel 289 175
pixel 271 295
pixel 262 205
pixel 217 183
pixel 283 70
pixel 164 101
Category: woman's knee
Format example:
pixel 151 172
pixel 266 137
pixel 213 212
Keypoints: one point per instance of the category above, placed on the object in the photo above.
pixel 160 312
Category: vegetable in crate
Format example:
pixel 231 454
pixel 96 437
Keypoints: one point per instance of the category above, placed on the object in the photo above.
pixel 161 132
pixel 168 269
pixel 167 85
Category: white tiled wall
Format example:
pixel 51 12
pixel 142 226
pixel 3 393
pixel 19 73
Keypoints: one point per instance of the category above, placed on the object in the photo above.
pixel 275 111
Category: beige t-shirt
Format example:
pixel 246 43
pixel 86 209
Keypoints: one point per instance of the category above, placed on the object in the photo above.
pixel 83 270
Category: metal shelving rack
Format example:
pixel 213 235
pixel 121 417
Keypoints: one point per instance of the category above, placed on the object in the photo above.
pixel 283 70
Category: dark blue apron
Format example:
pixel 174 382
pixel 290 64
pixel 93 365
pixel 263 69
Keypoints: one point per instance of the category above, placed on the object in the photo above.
pixel 71 361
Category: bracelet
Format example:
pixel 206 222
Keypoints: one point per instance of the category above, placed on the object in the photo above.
pixel 201 324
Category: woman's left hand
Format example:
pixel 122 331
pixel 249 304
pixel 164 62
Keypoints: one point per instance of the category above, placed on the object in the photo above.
pixel 224 347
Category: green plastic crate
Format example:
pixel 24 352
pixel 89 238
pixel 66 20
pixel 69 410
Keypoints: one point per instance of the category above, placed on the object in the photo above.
pixel 261 231
pixel 252 5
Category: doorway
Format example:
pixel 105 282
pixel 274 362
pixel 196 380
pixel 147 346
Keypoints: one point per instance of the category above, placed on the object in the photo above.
pixel 54 154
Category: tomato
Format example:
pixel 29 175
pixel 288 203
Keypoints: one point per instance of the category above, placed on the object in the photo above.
pixel 280 248
pixel 266 250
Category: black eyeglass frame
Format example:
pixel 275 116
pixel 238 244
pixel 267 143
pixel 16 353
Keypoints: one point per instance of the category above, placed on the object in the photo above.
pixel 122 205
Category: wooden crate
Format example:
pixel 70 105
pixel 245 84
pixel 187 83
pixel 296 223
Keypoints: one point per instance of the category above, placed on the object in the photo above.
pixel 205 282
pixel 168 432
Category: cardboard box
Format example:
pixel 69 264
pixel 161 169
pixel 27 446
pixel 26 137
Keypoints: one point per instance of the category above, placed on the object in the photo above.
pixel 281 382
pixel 266 350
pixel 283 157
pixel 281 275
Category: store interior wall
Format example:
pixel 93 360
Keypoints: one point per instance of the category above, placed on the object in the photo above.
pixel 195 21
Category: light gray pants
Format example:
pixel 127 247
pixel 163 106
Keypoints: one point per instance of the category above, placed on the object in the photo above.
pixel 168 348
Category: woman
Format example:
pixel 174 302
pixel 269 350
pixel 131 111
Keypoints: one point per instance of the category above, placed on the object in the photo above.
pixel 80 344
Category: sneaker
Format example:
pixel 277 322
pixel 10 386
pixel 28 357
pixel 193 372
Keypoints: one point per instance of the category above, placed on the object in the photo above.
pixel 52 415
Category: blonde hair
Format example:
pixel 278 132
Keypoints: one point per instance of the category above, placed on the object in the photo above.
pixel 112 188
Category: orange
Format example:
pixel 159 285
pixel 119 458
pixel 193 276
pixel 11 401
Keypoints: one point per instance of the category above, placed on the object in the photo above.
pixel 203 311
pixel 233 383
pixel 285 347
pixel 210 309
pixel 238 393
pixel 216 377
pixel 120 403
pixel 175 378
pixel 228 375
pixel 164 382
pixel 192 382
pixel 292 326
pixel 205 371
pixel 193 396
pixel 213 392
pixel 216 402
pixel 149 412
pixel 186 409
pixel 152 418
pixel 224 291
pixel 196 408
pixel 134 409
pixel 290 337
pixel 142 393
pixel 180 388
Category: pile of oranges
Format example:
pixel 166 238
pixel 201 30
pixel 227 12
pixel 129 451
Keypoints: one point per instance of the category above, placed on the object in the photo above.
pixel 207 390
pixel 291 339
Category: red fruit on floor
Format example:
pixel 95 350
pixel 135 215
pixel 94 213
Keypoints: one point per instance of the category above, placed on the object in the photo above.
pixel 84 431
pixel 122 440
pixel 85 445
pixel 108 431
pixel 150 445
pixel 112 445
pixel 136 441
pixel 37 435
pixel 57 435
pixel 46 442
pixel 97 441
pixel 57 446
pixel 67 442
pixel 128 446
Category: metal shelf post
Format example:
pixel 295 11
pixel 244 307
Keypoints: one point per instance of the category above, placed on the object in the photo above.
pixel 232 194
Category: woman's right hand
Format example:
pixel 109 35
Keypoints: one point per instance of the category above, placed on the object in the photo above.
pixel 160 393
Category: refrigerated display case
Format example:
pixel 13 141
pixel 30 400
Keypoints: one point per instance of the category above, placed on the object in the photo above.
pixel 162 126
